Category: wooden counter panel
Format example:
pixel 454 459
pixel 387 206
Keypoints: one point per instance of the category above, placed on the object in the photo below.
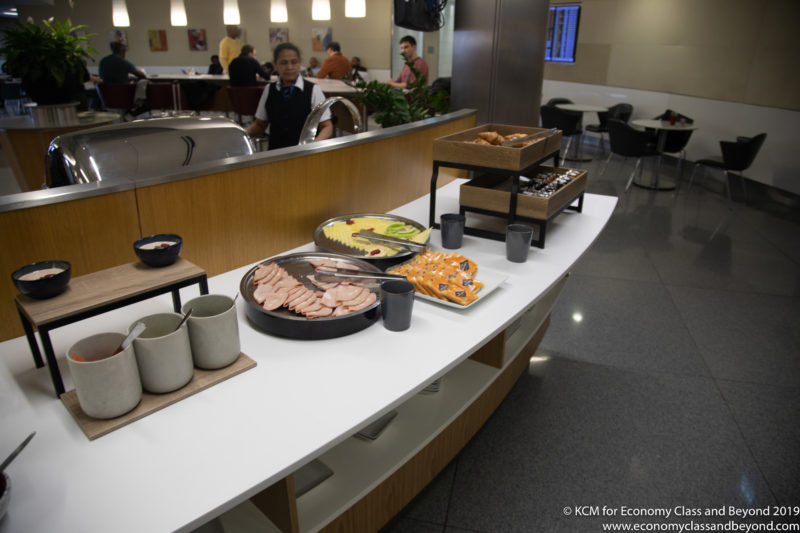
pixel 26 149
pixel 229 219
pixel 382 503
pixel 92 234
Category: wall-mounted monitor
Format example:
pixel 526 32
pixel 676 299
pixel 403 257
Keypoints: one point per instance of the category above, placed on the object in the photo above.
pixel 562 33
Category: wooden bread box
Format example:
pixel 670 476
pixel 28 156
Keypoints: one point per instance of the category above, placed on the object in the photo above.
pixel 493 192
pixel 454 148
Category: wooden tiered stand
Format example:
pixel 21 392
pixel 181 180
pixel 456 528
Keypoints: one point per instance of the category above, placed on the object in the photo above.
pixel 98 292
pixel 499 163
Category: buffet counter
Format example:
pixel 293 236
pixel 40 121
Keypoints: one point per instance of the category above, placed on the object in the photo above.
pixel 244 438
pixel 230 212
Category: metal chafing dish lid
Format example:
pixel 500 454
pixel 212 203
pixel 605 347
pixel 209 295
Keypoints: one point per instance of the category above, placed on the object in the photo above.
pixel 141 147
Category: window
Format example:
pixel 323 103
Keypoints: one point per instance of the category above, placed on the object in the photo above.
pixel 562 33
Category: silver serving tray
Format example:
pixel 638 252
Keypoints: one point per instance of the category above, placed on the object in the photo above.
pixel 336 247
pixel 285 323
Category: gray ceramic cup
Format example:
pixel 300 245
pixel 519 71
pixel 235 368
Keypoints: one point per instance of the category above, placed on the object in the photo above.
pixel 107 385
pixel 213 331
pixel 164 354
pixel 518 242
pixel 397 302
pixel 452 228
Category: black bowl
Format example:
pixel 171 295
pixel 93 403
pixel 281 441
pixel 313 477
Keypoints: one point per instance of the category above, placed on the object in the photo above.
pixel 161 256
pixel 42 287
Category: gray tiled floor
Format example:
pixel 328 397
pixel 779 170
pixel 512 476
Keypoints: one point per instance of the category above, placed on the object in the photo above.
pixel 679 387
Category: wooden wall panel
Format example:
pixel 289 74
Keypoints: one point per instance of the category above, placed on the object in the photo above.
pixel 92 234
pixel 229 219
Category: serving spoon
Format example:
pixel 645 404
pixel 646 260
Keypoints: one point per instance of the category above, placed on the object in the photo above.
pixel 135 332
pixel 189 312
pixel 15 453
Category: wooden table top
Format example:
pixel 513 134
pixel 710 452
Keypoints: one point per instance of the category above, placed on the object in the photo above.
pixel 582 108
pixel 662 124
pixel 97 289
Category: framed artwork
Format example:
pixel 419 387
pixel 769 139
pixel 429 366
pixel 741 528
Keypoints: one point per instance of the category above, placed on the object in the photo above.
pixel 278 36
pixel 197 40
pixel 320 38
pixel 118 36
pixel 158 40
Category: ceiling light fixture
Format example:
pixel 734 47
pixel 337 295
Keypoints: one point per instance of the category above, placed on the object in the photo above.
pixel 177 13
pixel 230 13
pixel 278 12
pixel 321 10
pixel 119 14
pixel 355 8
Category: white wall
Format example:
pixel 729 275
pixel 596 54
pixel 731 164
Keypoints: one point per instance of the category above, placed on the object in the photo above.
pixel 778 162
pixel 367 37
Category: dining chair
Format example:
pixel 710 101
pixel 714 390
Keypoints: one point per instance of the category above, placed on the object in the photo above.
pixel 553 117
pixel 621 112
pixel 117 96
pixel 736 157
pixel 627 141
pixel 12 97
pixel 676 141
pixel 558 100
pixel 244 100
pixel 162 96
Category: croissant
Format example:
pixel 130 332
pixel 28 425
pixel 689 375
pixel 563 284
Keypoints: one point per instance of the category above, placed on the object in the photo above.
pixel 492 136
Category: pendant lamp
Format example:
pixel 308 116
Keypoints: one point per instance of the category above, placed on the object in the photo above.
pixel 119 14
pixel 230 13
pixel 278 12
pixel 177 13
pixel 321 10
pixel 355 8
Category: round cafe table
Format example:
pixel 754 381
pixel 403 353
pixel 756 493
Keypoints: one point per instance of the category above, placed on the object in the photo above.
pixel 662 127
pixel 581 108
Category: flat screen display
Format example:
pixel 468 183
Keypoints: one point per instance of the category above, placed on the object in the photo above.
pixel 562 33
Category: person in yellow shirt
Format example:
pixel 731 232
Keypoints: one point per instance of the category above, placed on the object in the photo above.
pixel 229 47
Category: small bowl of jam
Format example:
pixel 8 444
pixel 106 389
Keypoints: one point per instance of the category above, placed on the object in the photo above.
pixel 158 250
pixel 43 279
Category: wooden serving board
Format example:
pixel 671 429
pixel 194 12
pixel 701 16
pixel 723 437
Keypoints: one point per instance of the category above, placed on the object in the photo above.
pixel 202 379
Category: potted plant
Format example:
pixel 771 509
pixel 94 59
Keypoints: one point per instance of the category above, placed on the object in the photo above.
pixel 49 59
pixel 392 107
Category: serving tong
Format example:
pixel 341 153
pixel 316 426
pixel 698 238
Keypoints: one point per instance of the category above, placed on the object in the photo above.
pixel 351 273
pixel 520 140
pixel 385 239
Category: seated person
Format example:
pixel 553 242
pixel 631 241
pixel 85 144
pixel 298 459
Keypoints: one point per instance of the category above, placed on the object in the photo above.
pixel 358 72
pixel 408 47
pixel 312 68
pixel 243 69
pixel 286 103
pixel 269 67
pixel 215 67
pixel 336 66
pixel 114 68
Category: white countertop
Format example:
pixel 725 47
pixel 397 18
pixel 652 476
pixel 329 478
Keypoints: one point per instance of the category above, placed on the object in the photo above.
pixel 181 466
pixel 327 85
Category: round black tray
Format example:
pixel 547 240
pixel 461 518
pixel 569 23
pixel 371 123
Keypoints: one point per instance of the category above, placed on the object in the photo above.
pixel 284 323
